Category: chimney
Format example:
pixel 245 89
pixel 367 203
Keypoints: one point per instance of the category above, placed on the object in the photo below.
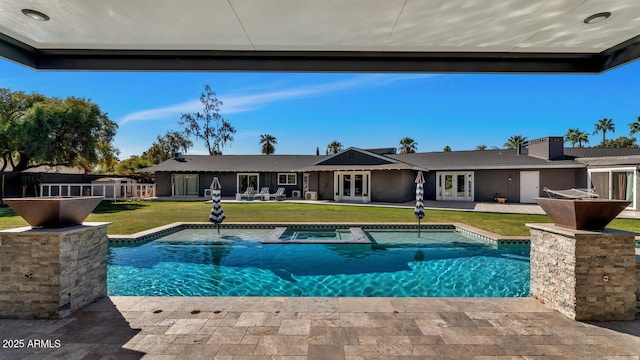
pixel 548 148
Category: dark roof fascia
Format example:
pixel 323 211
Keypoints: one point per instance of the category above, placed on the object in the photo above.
pixel 17 51
pixel 314 61
pixel 507 167
pixel 626 161
pixel 389 167
pixel 621 54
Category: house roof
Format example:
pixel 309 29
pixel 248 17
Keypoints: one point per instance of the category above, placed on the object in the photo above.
pixel 428 161
pixel 235 163
pixel 359 159
pixel 481 159
pixel 292 35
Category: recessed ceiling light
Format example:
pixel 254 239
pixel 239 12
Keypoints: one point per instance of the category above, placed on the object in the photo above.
pixel 35 15
pixel 596 18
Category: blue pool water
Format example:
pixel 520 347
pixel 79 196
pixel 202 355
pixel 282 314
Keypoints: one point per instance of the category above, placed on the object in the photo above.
pixel 198 262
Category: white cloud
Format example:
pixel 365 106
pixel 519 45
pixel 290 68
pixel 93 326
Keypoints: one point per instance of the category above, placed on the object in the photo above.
pixel 250 102
pixel 161 112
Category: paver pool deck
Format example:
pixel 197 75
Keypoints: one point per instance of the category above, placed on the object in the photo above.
pixel 319 328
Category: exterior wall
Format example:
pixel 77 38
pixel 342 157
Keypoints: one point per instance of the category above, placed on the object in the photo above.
pixel 397 186
pixel 561 179
pixel 488 183
pixel 163 183
pixel 393 186
pixel 50 273
pixel 322 182
pixel 430 185
pixel 585 275
pixel 229 183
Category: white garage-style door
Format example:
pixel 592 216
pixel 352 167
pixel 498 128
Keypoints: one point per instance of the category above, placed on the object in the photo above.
pixel 529 186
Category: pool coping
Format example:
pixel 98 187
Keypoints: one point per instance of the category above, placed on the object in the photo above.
pixel 473 232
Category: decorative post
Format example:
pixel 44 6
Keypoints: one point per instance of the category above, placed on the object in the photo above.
pixel 580 268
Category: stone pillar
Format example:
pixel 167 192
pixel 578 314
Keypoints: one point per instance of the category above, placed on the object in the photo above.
pixel 585 275
pixel 50 273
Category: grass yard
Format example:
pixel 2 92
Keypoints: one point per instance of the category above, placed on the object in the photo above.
pixel 134 216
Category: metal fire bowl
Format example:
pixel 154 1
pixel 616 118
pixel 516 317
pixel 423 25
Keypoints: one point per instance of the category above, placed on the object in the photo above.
pixel 54 211
pixel 582 214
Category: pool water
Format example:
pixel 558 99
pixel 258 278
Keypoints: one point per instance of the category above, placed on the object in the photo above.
pixel 198 262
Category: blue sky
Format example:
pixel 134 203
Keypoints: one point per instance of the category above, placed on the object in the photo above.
pixel 308 110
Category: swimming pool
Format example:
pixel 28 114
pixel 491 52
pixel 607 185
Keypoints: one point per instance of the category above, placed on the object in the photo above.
pixel 198 262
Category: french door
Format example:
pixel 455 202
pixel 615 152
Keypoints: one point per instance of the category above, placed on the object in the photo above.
pixel 454 186
pixel 352 185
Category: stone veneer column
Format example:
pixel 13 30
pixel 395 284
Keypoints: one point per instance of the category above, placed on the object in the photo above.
pixel 585 275
pixel 50 273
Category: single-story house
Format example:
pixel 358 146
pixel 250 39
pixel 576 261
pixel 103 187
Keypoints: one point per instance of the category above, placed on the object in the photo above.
pixel 381 175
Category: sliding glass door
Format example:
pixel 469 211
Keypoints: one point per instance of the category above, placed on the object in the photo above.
pixel 614 184
pixel 184 184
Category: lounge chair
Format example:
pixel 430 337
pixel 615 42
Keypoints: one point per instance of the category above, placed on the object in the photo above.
pixel 279 194
pixel 264 193
pixel 248 194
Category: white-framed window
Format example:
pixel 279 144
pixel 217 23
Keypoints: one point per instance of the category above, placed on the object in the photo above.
pixel 184 184
pixel 246 180
pixel 455 185
pixel 614 183
pixel 287 178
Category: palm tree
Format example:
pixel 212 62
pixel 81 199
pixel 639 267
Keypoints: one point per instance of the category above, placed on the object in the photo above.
pixel 603 126
pixel 514 141
pixel 571 136
pixel 408 146
pixel 481 147
pixel 634 127
pixel 582 137
pixel 334 147
pixel 267 141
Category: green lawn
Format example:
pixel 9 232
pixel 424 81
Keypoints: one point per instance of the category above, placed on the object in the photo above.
pixel 133 216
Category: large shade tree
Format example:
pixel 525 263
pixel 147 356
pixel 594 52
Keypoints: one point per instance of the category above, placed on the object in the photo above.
pixel 267 143
pixel 408 146
pixel 604 125
pixel 209 126
pixel 515 140
pixel 334 147
pixel 36 130
pixel 165 146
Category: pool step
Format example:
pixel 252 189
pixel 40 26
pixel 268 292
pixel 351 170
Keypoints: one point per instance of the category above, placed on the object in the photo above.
pixel 274 236
pixel 359 237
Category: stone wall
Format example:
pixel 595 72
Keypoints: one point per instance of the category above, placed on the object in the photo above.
pixel 584 275
pixel 50 273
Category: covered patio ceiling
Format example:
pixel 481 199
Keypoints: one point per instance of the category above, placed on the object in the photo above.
pixel 460 36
